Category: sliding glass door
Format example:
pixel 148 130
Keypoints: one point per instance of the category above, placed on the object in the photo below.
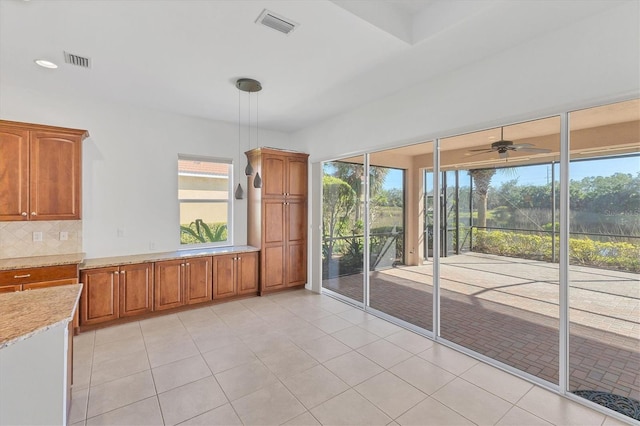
pixel 499 292
pixel 538 266
pixel 343 228
pixel 604 256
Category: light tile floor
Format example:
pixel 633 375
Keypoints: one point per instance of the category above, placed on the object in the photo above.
pixel 295 358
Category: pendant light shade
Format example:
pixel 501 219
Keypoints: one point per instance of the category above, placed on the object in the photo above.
pixel 257 181
pixel 239 193
pixel 249 169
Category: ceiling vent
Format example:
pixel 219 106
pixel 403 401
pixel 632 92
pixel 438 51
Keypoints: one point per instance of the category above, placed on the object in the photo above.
pixel 77 60
pixel 278 23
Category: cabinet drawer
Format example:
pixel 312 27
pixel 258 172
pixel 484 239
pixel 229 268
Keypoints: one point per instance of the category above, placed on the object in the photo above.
pixel 32 275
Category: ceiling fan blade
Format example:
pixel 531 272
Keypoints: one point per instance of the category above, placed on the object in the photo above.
pixel 486 151
pixel 522 145
pixel 480 150
pixel 540 150
pixel 504 154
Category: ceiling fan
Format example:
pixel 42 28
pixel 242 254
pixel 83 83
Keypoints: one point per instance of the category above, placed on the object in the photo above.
pixel 502 147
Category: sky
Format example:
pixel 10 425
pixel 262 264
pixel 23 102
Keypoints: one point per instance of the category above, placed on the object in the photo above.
pixel 541 174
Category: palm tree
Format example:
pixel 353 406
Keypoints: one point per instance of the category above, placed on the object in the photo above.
pixel 482 180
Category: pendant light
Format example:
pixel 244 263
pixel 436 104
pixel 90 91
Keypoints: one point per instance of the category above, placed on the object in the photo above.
pixel 257 181
pixel 239 192
pixel 250 86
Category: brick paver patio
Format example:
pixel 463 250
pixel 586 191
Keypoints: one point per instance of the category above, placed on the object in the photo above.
pixel 507 309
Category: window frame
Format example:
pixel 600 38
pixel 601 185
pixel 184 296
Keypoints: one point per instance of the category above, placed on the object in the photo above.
pixel 230 201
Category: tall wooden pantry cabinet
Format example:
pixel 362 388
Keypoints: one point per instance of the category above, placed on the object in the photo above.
pixel 277 217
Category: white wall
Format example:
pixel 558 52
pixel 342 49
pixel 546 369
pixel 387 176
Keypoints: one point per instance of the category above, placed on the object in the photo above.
pixel 594 60
pixel 130 166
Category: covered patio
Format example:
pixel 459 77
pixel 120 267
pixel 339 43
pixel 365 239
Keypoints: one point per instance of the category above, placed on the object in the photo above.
pixel 507 309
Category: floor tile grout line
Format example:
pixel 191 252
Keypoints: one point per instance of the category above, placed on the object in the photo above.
pixel 380 408
pixel 298 344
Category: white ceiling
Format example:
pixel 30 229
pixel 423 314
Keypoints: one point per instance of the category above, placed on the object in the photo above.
pixel 184 56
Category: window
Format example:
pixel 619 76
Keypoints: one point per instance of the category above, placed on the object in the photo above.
pixel 204 194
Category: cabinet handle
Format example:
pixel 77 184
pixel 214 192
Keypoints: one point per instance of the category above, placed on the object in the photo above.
pixel 116 273
pixel 122 272
pixel 182 265
pixel 188 263
pixel 34 214
pixel 24 214
pixel 22 276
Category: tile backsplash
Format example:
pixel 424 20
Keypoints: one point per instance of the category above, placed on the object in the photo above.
pixel 16 238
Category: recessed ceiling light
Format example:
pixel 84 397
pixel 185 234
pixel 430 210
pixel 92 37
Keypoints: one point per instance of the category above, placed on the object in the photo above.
pixel 45 64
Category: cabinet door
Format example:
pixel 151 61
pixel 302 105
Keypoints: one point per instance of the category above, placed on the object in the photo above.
pixel 169 291
pixel 54 175
pixel 273 175
pixel 247 273
pixel 14 174
pixel 136 289
pixel 296 264
pixel 10 288
pixel 99 300
pixel 273 268
pixel 296 177
pixel 224 276
pixel 296 220
pixel 273 222
pixel 198 283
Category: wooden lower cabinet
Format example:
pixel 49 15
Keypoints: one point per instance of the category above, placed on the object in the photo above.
pixel 128 290
pixel 136 289
pixel 169 291
pixel 100 295
pixel 40 277
pixel 181 282
pixel 235 274
pixel 247 274
pixel 198 280
pixel 224 276
pixel 116 292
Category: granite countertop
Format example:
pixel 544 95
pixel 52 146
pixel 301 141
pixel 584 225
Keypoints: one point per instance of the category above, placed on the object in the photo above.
pixel 40 261
pixel 156 257
pixel 26 313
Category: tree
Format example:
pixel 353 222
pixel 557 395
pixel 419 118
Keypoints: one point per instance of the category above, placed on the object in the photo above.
pixel 482 181
pixel 338 202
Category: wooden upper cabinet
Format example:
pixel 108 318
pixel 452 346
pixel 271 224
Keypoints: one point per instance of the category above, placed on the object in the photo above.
pixel 273 176
pixel 40 172
pixel 297 177
pixel 284 175
pixel 54 192
pixel 14 174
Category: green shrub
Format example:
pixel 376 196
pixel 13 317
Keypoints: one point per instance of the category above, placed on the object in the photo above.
pixel 199 232
pixel 582 251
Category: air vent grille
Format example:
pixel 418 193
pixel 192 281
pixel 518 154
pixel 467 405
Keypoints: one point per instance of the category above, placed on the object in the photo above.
pixel 276 22
pixel 77 60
